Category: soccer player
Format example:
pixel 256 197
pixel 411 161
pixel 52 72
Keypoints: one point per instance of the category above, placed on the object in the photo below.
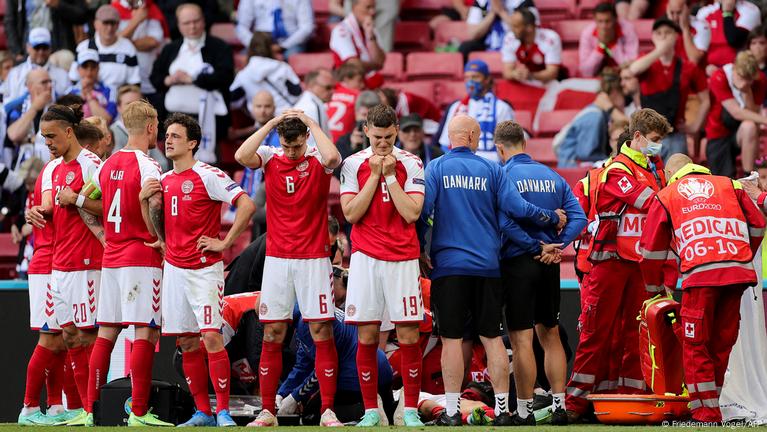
pixel 131 273
pixel 297 265
pixel 193 274
pixel 382 191
pixel 77 253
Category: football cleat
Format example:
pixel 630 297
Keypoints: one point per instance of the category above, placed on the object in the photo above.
pixel 264 419
pixel 199 418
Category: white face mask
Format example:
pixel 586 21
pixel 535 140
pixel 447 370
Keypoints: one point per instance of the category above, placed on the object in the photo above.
pixel 653 148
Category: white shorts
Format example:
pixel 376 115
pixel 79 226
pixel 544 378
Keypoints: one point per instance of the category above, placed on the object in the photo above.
pixel 192 299
pixel 75 295
pixel 130 296
pixel 376 287
pixel 308 281
pixel 42 315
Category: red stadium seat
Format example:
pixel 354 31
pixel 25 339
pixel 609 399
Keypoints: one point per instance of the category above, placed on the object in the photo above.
pixel 393 67
pixel 643 30
pixel 552 122
pixel 493 60
pixel 586 8
pixel 572 175
pixel 450 31
pixel 555 10
pixel 570 31
pixel 447 92
pixel 226 31
pixel 3 40
pixel 422 10
pixel 540 150
pixel 412 36
pixel 303 63
pixel 521 96
pixel 320 41
pixel 525 119
pixel 321 9
pixel 423 88
pixel 434 65
pixel 571 60
pixel 573 99
pixel 9 252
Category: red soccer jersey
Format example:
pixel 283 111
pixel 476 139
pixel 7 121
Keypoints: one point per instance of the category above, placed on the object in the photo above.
pixel 296 204
pixel 409 103
pixel 659 77
pixel 747 16
pixel 74 245
pixel 382 233
pixel 120 179
pixel 721 88
pixel 192 201
pixel 42 257
pixel 341 111
pixel 545 50
pixel 235 307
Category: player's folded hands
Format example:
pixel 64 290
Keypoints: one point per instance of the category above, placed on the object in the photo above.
pixel 66 196
pixel 35 217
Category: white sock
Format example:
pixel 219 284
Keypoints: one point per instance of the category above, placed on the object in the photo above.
pixel 54 410
pixel 452 401
pixel 524 407
pixel 28 410
pixel 558 401
pixel 501 403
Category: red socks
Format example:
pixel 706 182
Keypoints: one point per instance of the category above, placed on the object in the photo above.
pixel 326 366
pixel 220 369
pixel 99 368
pixel 70 387
pixel 367 371
pixel 141 375
pixel 269 371
pixel 197 377
pixel 411 372
pixel 55 378
pixel 80 370
pixel 36 370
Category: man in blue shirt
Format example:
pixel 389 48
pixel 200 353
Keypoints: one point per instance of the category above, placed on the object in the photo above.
pixel 530 279
pixel 465 195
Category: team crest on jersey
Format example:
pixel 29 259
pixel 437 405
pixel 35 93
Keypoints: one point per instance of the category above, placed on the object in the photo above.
pixel 70 177
pixel 695 188
pixel 187 186
pixel 263 309
pixel 303 166
pixel 351 310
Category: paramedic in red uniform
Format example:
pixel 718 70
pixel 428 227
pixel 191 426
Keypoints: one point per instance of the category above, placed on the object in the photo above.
pixel 613 292
pixel 714 229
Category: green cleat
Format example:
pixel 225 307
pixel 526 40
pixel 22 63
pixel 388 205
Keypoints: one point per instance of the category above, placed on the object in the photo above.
pixel 370 419
pixel 148 419
pixel 478 417
pixel 37 418
pixel 63 418
pixel 411 418
pixel 83 418
pixel 543 416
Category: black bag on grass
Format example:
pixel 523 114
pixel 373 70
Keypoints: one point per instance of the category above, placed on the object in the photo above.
pixel 169 402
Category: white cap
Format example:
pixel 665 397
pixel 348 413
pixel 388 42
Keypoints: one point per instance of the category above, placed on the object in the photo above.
pixel 39 36
pixel 87 55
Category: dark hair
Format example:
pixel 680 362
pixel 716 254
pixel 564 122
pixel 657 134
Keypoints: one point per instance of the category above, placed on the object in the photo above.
pixel 760 31
pixel 193 131
pixel 291 128
pixel 260 45
pixel 71 100
pixel 390 95
pixel 73 117
pixel 609 81
pixel 348 71
pixel 509 133
pixel 606 7
pixel 88 133
pixel 527 16
pixel 333 225
pixel 311 77
pixel 382 116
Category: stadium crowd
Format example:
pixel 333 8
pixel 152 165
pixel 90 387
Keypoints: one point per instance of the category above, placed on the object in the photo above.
pixel 515 132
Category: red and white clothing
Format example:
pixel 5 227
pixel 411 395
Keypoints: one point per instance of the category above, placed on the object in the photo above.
pixel 409 103
pixel 722 89
pixel 747 16
pixel 341 118
pixel 131 274
pixel 347 40
pixel 593 58
pixel 235 306
pixel 658 78
pixel 297 267
pixel 545 50
pixel 192 299
pixel 701 37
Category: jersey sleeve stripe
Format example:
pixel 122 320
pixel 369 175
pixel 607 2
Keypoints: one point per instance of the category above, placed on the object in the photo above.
pixel 236 197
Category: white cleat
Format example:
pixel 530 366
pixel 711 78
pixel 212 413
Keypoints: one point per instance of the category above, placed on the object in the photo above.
pixel 264 419
pixel 329 419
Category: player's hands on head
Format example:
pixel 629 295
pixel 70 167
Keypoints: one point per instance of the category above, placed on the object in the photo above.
pixel 288 406
pixel 67 196
pixel 299 114
pixel 376 165
pixel 151 187
pixel 210 244
pixel 562 218
pixel 389 165
pixel 35 217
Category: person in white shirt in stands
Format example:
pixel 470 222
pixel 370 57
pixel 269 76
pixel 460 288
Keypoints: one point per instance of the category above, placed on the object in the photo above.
pixel 481 104
pixel 118 63
pixel 290 22
pixel 530 53
pixel 145 26
pixel 355 40
pixel 488 21
pixel 38 53
pixel 319 86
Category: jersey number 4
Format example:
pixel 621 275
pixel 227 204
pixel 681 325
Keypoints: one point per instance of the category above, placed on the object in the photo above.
pixel 113 215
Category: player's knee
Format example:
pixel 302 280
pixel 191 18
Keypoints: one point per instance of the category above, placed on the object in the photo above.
pixel 70 338
pixel 213 341
pixel 547 335
pixel 367 335
pixel 87 338
pixel 321 331
pixel 152 335
pixel 407 333
pixel 275 332
pixel 748 129
pixel 52 341
pixel 521 339
pixel 188 343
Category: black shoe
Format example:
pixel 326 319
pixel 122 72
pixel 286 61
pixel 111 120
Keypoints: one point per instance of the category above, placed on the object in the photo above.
pixel 516 420
pixel 504 419
pixel 559 417
pixel 542 401
pixel 446 420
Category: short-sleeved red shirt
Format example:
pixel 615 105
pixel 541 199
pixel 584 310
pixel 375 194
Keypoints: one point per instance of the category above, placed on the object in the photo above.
pixel 659 78
pixel 721 90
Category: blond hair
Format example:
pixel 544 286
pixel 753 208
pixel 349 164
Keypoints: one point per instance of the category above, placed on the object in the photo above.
pixel 648 120
pixel 137 115
pixel 746 65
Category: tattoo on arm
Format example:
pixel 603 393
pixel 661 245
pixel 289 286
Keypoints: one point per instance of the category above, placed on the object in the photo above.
pixel 156 215
pixel 93 223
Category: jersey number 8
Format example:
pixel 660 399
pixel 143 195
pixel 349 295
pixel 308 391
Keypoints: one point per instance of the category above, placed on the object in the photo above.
pixel 174 206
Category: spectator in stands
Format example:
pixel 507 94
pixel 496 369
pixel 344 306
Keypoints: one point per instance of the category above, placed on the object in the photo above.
pixel 105 145
pixel 350 81
pixel 38 54
pixel 530 53
pixel 6 64
pixel 356 140
pixel 489 21
pixel 618 127
pixel 386 14
pixel 405 103
pixel 665 83
pixel 262 110
pixel 737 92
pixel 125 95
pixel 97 96
pixel 457 11
pixel 212 10
pixel 355 40
pixel 58 17
pixel 631 9
pixel 264 72
pixel 481 104
pixel 696 34
pixel 62 59
pixel 143 23
pixel 609 41
pixel 118 61
pixel 585 139
pixel 757 44
pixel 730 21
pixel 290 23
pixel 23 116
pixel 91 138
pixel 412 139
pixel 193 74
pixel 630 86
pixel 319 86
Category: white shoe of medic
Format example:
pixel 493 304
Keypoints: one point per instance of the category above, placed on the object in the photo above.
pixel 264 419
pixel 329 419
